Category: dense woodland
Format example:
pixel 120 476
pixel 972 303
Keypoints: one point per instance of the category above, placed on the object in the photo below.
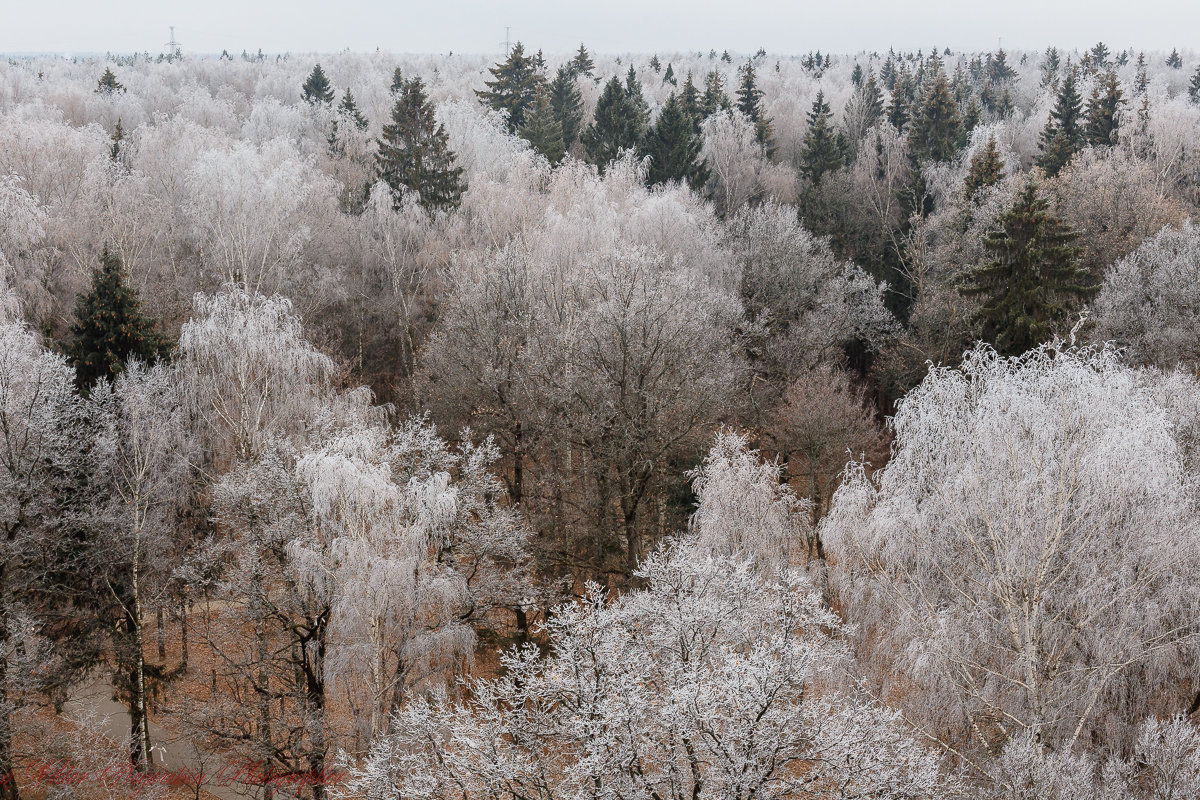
pixel 542 427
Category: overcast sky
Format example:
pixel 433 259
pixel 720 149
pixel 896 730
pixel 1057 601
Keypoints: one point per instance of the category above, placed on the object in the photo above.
pixel 610 26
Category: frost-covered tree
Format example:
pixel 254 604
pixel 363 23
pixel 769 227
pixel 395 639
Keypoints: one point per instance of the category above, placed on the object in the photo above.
pixel 43 456
pixel 711 682
pixel 248 372
pixel 141 421
pixel 1025 557
pixel 822 423
pixel 813 306
pixel 745 509
pixel 1150 300
pixel 373 563
pixel 248 207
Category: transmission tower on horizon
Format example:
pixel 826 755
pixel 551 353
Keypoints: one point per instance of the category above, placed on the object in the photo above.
pixel 173 46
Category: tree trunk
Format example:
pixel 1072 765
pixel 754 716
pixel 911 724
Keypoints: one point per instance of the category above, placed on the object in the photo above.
pixel 8 781
pixel 183 634
pixel 162 633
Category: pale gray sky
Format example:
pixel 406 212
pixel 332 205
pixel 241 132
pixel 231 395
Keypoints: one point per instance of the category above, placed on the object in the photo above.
pixel 610 26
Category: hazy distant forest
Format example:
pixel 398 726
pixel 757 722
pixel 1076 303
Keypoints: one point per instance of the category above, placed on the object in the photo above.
pixel 687 426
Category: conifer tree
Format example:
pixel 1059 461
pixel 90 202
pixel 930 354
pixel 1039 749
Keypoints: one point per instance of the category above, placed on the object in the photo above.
pixel 118 135
pixel 582 63
pixel 900 108
pixel 317 89
pixel 1063 135
pixel 415 155
pixel 1142 81
pixel 397 82
pixel 971 115
pixel 674 148
pixel 1103 105
pixel 822 152
pixel 935 131
pixel 542 128
pixel 1098 57
pixel 1194 87
pixel 637 99
pixel 109 326
pixel 1050 66
pixel 349 108
pixel 986 169
pixel 998 70
pixel 347 115
pixel 691 100
pixel 108 83
pixel 1174 61
pixel 515 82
pixel 749 102
pixel 1033 281
pixel 617 126
pixel 669 75
pixel 567 103
pixel 856 76
pixel 655 64
pixel 714 99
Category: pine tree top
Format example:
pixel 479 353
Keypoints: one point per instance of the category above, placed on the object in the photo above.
pixel 108 83
pixel 582 64
pixel 514 83
pixel 317 89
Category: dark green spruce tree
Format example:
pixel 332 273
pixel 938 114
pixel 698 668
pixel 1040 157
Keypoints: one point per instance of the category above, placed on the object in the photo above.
pixel 414 153
pixel 1033 282
pixel 674 148
pixel 1103 106
pixel 749 102
pixel 690 98
pixel 618 125
pixel 1194 87
pixel 514 83
pixel 582 63
pixel 1063 135
pixel 567 103
pixel 714 99
pixel 317 89
pixel 935 131
pixel 109 327
pixel 637 98
pixel 822 151
pixel 542 128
